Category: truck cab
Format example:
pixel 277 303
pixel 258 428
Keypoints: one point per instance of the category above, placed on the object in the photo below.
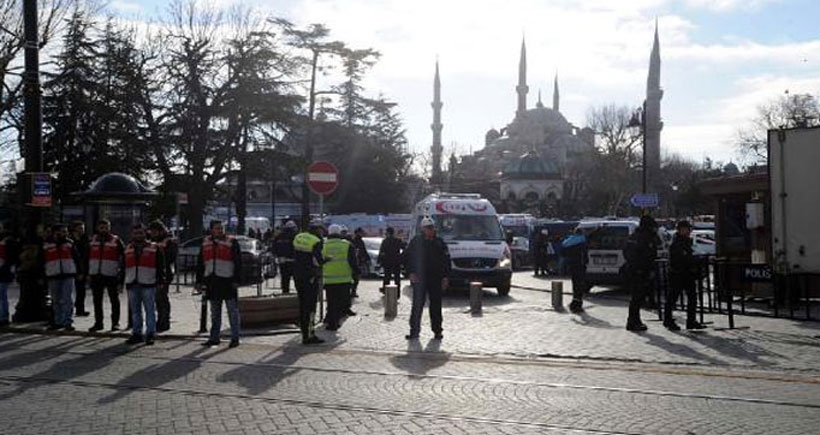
pixel 469 225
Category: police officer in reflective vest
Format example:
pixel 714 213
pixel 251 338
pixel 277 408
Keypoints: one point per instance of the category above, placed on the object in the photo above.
pixel 143 272
pixel 60 259
pixel 106 269
pixel 338 274
pixel 160 236
pixel 307 270
pixel 219 269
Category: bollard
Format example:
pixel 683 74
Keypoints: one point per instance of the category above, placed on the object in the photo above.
pixel 558 295
pixel 476 291
pixel 391 300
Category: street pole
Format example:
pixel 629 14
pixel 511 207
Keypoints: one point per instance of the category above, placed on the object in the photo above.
pixel 32 302
pixel 308 142
pixel 643 144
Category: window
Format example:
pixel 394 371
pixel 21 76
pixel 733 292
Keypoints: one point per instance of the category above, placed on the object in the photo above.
pixel 608 238
pixel 467 227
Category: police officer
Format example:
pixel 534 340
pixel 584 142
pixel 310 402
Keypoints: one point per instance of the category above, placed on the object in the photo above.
pixel 576 259
pixel 59 258
pixel 363 259
pixel 219 267
pixel 390 258
pixel 307 271
pixel 164 241
pixel 640 253
pixel 682 277
pixel 428 263
pixel 106 268
pixel 283 250
pixel 338 275
pixel 144 269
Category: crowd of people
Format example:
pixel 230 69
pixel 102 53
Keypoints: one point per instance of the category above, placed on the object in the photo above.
pixel 333 260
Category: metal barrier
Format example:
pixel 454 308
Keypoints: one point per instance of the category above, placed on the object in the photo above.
pixel 721 284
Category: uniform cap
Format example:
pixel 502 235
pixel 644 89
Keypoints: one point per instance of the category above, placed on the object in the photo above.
pixel 334 229
pixel 290 224
pixel 427 221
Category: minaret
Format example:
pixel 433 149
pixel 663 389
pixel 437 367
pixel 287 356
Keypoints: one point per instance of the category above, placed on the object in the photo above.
pixel 652 115
pixel 522 87
pixel 555 94
pixel 436 149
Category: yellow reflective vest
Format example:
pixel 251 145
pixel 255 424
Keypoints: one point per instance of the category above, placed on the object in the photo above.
pixel 337 270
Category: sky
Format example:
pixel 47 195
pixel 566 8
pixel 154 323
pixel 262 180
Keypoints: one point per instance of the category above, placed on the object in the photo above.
pixel 720 59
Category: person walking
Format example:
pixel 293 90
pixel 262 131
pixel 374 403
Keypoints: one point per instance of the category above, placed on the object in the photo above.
pixel 106 269
pixel 307 271
pixel 390 258
pixel 338 274
pixel 283 250
pixel 60 259
pixel 428 262
pixel 144 271
pixel 640 253
pixel 81 243
pixel 160 235
pixel 9 257
pixel 363 261
pixel 539 250
pixel 576 257
pixel 682 277
pixel 219 269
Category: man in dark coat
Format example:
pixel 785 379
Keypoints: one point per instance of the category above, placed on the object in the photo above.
pixel 307 272
pixel 390 258
pixel 576 259
pixel 682 277
pixel 640 253
pixel 283 250
pixel 166 242
pixel 82 244
pixel 427 260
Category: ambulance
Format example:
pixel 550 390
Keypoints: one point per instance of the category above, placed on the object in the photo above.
pixel 469 225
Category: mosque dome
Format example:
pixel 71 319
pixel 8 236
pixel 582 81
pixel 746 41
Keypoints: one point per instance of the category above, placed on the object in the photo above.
pixel 530 166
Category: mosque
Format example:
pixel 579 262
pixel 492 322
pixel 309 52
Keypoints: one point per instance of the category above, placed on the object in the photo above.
pixel 525 165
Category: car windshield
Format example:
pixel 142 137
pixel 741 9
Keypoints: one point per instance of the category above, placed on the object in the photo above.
pixel 608 238
pixel 518 230
pixel 468 227
pixel 248 245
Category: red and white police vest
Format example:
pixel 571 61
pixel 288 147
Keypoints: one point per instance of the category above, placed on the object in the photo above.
pixel 217 256
pixel 59 259
pixel 142 269
pixel 3 252
pixel 104 258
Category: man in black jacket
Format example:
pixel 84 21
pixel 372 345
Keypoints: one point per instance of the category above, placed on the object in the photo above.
pixel 576 258
pixel 682 277
pixel 283 250
pixel 82 244
pixel 640 253
pixel 390 259
pixel 427 260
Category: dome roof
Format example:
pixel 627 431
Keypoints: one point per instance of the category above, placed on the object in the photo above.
pixel 117 185
pixel 530 166
pixel 731 169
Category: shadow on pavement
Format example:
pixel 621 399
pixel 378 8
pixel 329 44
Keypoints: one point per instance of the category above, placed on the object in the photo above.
pixel 679 349
pixel 418 361
pixel 585 319
pixel 267 372
pixel 60 370
pixel 157 375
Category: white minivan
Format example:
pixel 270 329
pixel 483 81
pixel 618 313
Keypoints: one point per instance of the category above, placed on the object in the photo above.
pixel 606 240
pixel 469 225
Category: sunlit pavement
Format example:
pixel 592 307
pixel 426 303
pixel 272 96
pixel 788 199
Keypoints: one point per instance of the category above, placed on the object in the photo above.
pixel 519 367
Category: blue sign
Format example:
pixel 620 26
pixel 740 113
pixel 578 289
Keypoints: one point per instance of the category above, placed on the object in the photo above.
pixel 644 200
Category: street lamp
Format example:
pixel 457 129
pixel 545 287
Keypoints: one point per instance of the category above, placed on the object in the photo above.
pixel 639 120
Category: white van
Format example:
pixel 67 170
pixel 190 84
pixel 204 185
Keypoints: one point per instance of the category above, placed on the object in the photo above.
pixel 469 225
pixel 606 240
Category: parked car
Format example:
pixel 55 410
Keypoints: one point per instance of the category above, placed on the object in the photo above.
pixel 257 262
pixel 372 244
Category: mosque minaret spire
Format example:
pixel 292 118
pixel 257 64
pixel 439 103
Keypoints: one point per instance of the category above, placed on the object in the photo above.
pixel 522 87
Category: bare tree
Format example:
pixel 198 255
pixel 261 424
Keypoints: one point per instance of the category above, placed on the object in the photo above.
pixel 786 111
pixel 51 20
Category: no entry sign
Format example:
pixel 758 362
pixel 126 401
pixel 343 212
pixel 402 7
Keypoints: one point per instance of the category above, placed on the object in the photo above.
pixel 323 178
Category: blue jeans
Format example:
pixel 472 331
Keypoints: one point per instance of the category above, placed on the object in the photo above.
pixel 4 301
pixel 140 298
pixel 61 304
pixel 232 306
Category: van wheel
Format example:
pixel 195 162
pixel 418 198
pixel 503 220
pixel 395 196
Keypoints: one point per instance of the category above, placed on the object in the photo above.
pixel 504 289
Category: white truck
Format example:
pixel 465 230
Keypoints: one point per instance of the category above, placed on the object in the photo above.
pixel 469 225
